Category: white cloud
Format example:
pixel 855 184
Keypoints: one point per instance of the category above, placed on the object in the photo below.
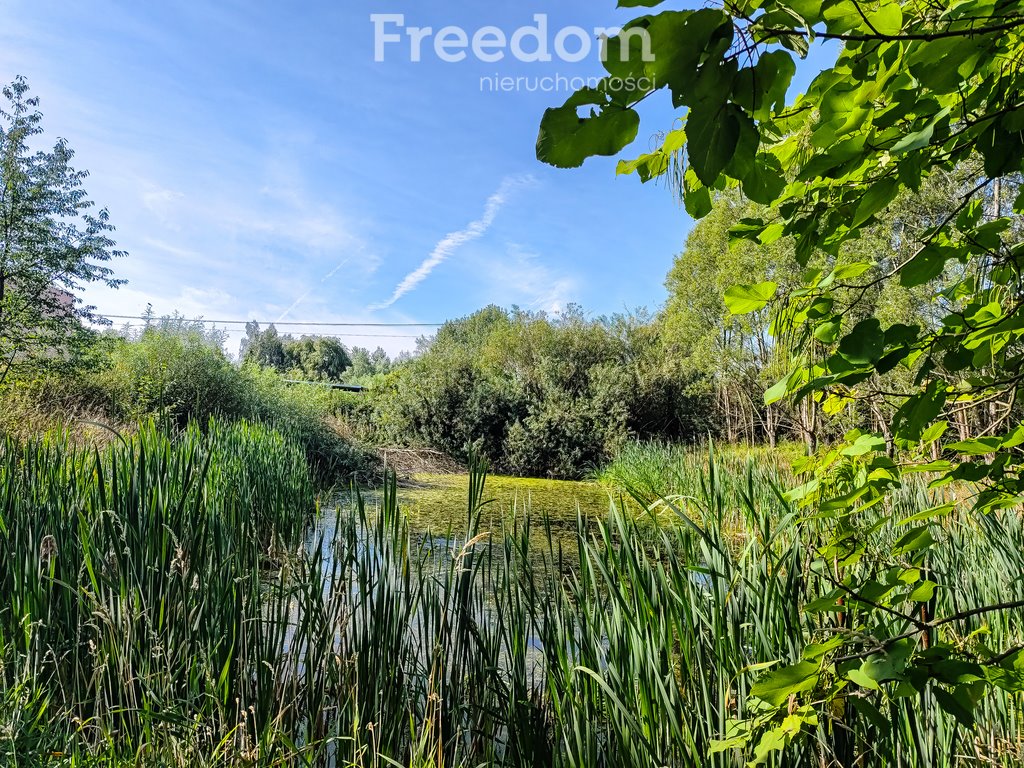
pixel 305 295
pixel 521 278
pixel 206 297
pixel 162 204
pixel 455 240
pixel 181 253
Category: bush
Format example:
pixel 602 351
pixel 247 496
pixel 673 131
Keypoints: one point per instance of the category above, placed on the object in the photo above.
pixel 177 376
pixel 182 377
pixel 535 395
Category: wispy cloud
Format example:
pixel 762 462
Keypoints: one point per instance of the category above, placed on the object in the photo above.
pixel 182 254
pixel 162 204
pixel 455 240
pixel 305 296
pixel 520 277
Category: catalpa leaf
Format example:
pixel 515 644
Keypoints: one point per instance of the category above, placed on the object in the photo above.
pixel 956 704
pixel 918 412
pixel 566 139
pixel 778 685
pixel 864 444
pixel 887 20
pixel 713 136
pixel 775 70
pixel 864 343
pixel 878 195
pixel 779 389
pixel 828 331
pixel 925 265
pixel 743 299
pixel 765 181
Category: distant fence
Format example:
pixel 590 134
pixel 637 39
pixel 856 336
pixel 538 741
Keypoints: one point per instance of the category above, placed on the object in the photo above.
pixel 328 384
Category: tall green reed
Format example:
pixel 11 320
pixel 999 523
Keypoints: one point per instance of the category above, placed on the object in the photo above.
pixel 175 619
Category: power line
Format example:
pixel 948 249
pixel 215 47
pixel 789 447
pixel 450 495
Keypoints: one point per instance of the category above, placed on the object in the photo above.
pixel 271 322
pixel 136 326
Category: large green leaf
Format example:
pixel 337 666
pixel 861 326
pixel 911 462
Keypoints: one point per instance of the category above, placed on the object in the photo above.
pixel 779 389
pixel 566 139
pixel 918 412
pixel 779 684
pixel 680 41
pixel 697 201
pixel 765 181
pixel 957 704
pixel 713 136
pixel 864 343
pixel 743 299
pixel 827 332
pixel 887 20
pixel 925 266
pixel 774 73
pixel 878 195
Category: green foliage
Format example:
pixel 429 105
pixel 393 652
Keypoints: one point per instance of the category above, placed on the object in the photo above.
pixel 367 364
pixel 50 242
pixel 918 93
pixel 319 358
pixel 179 374
pixel 313 358
pixel 536 395
pixel 653 471
pixel 141 600
pixel 264 348
pixel 731 356
pixel 133 580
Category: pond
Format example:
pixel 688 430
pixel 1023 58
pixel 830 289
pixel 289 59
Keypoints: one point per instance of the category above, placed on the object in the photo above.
pixel 479 632
pixel 439 501
pixel 434 505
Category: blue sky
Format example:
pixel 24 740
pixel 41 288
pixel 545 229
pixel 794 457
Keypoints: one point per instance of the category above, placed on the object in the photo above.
pixel 259 163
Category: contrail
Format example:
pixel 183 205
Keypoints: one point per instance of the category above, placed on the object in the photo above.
pixel 304 296
pixel 454 240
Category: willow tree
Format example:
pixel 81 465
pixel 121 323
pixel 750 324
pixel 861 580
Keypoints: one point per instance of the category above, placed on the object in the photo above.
pixel 51 244
pixel 918 89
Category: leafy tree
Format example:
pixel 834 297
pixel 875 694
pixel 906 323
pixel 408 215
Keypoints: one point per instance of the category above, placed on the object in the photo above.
pixel 733 356
pixel 537 395
pixel 918 90
pixel 318 358
pixel 174 372
pixel 366 364
pixel 50 242
pixel 264 348
pixel 178 325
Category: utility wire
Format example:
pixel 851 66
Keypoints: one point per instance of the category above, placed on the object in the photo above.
pixel 271 322
pixel 136 326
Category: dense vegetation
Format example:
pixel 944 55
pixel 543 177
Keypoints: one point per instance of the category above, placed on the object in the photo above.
pixel 560 395
pixel 536 395
pixel 920 95
pixel 171 597
pixel 314 358
pixel 180 630
pixel 176 372
pixel 132 583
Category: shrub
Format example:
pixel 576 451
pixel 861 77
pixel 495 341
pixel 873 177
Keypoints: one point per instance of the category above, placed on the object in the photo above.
pixel 180 376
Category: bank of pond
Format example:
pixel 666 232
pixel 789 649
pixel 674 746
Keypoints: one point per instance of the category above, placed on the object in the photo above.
pixel 190 599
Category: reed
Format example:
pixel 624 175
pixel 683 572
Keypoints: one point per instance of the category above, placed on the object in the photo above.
pixel 176 601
